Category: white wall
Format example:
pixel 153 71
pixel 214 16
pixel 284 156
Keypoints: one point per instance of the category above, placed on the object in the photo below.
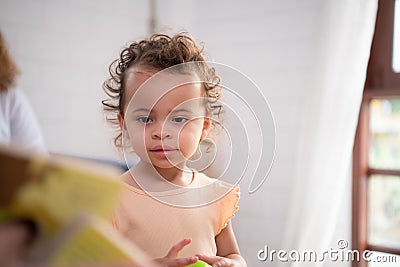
pixel 64 47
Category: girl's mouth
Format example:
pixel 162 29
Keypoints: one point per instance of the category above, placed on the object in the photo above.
pixel 163 151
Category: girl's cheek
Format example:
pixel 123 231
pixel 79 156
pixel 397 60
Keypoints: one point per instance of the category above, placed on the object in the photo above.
pixel 138 140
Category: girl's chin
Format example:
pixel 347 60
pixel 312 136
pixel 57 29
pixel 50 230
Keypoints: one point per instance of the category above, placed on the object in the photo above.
pixel 176 161
pixel 168 164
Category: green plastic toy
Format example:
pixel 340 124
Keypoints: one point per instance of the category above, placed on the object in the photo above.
pixel 198 263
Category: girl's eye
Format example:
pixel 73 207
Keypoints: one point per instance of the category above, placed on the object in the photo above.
pixel 179 119
pixel 144 120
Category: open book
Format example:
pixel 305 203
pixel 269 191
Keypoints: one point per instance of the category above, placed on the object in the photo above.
pixel 71 201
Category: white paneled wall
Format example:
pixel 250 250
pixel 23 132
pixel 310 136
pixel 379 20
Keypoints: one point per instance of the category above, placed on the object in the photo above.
pixel 64 47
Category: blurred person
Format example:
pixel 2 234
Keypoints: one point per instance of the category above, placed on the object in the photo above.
pixel 18 123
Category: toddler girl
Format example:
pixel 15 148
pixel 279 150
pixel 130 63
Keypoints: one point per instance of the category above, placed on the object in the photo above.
pixel 162 97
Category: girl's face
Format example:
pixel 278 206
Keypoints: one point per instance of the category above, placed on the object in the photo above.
pixel 164 119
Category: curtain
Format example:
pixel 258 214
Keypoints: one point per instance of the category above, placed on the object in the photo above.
pixel 321 193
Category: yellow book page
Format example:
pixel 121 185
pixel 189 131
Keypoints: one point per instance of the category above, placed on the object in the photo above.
pixel 59 192
pixel 90 243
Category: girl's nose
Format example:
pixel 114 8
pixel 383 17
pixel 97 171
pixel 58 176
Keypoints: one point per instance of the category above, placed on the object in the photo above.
pixel 160 132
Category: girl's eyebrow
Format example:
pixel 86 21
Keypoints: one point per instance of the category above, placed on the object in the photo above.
pixel 182 110
pixel 141 110
pixel 173 111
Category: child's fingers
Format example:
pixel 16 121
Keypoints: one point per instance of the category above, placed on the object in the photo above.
pixel 216 261
pixel 209 259
pixel 223 263
pixel 182 262
pixel 173 252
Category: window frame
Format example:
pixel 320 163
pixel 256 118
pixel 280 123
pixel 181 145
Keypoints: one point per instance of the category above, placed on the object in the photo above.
pixel 381 82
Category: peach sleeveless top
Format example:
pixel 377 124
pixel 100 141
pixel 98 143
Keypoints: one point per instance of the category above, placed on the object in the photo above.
pixel 155 225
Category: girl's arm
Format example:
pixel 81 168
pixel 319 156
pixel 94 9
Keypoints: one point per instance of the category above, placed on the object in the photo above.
pixel 227 250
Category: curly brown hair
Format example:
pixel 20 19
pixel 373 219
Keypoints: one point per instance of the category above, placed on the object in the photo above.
pixel 8 69
pixel 159 51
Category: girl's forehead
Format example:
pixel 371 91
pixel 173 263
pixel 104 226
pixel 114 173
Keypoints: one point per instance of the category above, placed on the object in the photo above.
pixel 137 76
pixel 149 87
pixel 151 82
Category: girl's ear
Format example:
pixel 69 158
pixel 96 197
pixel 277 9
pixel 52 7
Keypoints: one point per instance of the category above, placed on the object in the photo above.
pixel 206 128
pixel 122 125
pixel 121 121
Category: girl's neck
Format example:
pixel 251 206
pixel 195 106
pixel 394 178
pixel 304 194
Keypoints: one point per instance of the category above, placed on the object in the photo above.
pixel 178 176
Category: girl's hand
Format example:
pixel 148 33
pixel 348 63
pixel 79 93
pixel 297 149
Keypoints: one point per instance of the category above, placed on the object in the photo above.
pixel 171 259
pixel 217 261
